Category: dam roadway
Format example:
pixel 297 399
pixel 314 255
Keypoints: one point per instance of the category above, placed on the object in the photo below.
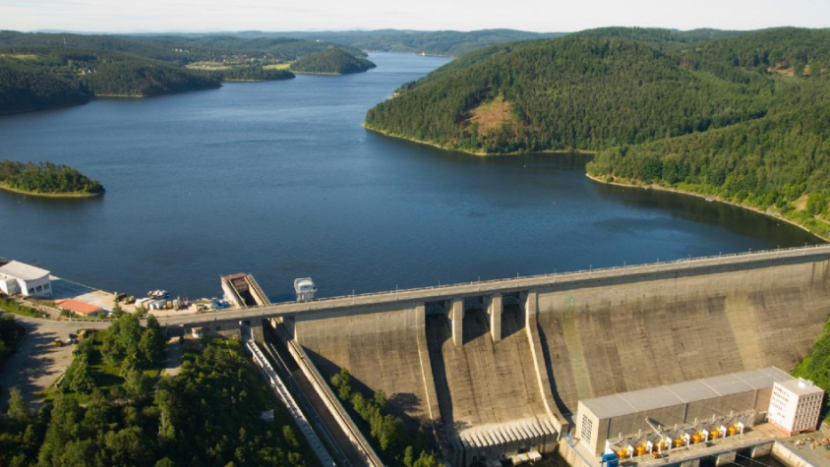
pixel 504 286
pixel 493 368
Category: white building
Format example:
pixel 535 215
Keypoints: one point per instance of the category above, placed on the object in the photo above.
pixel 24 279
pixel 795 406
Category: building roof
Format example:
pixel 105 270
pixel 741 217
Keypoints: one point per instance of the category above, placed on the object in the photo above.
pixel 801 387
pixel 682 393
pixel 79 307
pixel 23 271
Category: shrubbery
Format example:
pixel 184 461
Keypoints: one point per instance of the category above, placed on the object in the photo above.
pixel 386 430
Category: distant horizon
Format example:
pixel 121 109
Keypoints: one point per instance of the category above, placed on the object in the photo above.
pixel 215 16
pixel 364 30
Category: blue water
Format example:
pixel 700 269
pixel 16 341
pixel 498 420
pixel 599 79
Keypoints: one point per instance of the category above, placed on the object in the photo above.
pixel 280 180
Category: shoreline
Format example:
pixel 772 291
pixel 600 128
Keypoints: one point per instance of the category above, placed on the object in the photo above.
pixel 707 198
pixel 9 189
pixel 581 152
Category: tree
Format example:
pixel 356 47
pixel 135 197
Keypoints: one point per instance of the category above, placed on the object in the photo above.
pixel 136 383
pixel 79 378
pixel 18 409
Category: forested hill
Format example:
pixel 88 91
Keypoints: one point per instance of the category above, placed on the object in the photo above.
pixel 331 61
pixel 25 88
pixel 448 43
pixel 39 71
pixel 33 78
pixel 557 94
pixel 178 49
pixel 741 117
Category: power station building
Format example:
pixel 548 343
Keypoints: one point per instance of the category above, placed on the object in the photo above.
pixel 795 406
pixel 665 417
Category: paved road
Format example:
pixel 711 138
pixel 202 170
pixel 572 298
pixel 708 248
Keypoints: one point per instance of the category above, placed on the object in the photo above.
pixel 816 253
pixel 38 363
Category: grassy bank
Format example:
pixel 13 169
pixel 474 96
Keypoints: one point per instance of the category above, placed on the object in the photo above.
pixel 10 306
pixel 797 218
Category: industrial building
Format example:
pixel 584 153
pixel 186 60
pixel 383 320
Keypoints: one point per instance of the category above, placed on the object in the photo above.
pixel 641 422
pixel 795 406
pixel 24 279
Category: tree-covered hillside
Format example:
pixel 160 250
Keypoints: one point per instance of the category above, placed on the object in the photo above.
pixel 741 117
pixel 178 49
pixel 24 88
pixel 559 94
pixel 448 43
pixel 37 77
pixel 332 61
pixel 253 73
pixel 142 78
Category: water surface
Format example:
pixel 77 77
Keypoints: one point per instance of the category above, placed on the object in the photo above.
pixel 280 180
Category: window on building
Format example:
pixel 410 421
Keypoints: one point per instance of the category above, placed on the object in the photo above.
pixel 587 427
pixel 40 288
pixel 45 286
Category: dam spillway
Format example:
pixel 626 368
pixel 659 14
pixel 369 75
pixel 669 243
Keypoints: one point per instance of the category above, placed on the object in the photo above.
pixel 497 368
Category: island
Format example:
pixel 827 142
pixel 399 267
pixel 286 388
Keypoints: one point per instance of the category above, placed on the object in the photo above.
pixel 47 179
pixel 331 61
pixel 740 118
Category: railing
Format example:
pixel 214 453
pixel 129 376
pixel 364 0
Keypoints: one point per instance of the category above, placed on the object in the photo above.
pixel 296 390
pixel 644 267
pixel 290 404
pixel 346 422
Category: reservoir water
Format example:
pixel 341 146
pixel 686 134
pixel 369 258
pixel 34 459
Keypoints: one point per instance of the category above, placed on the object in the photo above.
pixel 280 180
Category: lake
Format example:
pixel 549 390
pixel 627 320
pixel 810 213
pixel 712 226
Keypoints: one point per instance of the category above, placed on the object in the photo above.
pixel 280 180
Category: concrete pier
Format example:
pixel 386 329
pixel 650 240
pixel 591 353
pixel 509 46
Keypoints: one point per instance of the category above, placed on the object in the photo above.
pixel 457 318
pixel 495 308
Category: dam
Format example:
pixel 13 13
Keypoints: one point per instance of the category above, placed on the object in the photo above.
pixel 496 368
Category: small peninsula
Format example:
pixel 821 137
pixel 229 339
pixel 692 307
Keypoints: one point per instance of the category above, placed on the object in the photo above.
pixel 331 61
pixel 47 179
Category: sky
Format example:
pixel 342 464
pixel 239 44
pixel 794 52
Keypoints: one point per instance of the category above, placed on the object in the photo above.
pixel 465 15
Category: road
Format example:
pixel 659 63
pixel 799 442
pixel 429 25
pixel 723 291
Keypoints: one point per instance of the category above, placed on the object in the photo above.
pixel 38 363
pixel 518 284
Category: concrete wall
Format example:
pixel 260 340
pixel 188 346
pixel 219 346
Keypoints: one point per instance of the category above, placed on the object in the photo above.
pixel 616 336
pixel 380 349
pixel 483 382
pixel 788 457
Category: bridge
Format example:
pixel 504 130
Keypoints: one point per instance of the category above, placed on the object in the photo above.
pixel 497 367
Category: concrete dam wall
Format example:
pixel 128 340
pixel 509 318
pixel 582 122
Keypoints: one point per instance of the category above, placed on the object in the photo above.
pixel 609 339
pixel 499 391
pixel 382 350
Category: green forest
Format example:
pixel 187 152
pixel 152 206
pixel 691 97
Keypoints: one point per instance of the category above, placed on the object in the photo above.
pixel 387 433
pixel 741 117
pixel 47 178
pixel 816 367
pixel 446 43
pixel 112 410
pixel 332 61
pixel 253 73
pixel 41 71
